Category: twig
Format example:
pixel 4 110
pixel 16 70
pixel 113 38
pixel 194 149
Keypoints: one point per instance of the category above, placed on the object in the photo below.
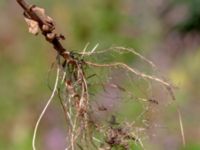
pixel 47 28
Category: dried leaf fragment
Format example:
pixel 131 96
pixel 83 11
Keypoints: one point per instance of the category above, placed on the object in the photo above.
pixel 33 26
pixel 48 21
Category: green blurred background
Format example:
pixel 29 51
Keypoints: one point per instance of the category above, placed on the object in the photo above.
pixel 167 32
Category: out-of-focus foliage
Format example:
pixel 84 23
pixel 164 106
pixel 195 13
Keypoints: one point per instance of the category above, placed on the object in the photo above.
pixel 191 22
pixel 25 61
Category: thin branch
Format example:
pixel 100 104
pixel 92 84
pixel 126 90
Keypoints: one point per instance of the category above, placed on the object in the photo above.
pixel 46 26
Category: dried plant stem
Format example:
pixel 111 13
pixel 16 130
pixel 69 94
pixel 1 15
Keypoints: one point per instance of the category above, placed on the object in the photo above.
pixel 133 51
pixel 125 66
pixel 181 127
pixel 119 49
pixel 45 108
pixel 76 106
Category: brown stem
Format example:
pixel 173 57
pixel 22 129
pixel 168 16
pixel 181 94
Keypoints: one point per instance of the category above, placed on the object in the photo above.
pixel 23 4
pixel 36 16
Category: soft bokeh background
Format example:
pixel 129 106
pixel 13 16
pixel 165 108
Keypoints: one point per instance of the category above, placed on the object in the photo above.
pixel 165 31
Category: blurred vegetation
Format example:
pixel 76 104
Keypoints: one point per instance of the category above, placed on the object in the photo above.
pixel 25 61
pixel 192 21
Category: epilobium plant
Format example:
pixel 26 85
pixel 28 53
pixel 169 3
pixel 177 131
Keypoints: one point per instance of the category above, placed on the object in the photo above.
pixel 77 87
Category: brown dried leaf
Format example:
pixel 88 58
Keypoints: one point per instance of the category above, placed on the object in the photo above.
pixel 33 26
pixel 42 13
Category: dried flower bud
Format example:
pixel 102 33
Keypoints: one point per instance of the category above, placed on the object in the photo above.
pixel 45 28
pixel 50 36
